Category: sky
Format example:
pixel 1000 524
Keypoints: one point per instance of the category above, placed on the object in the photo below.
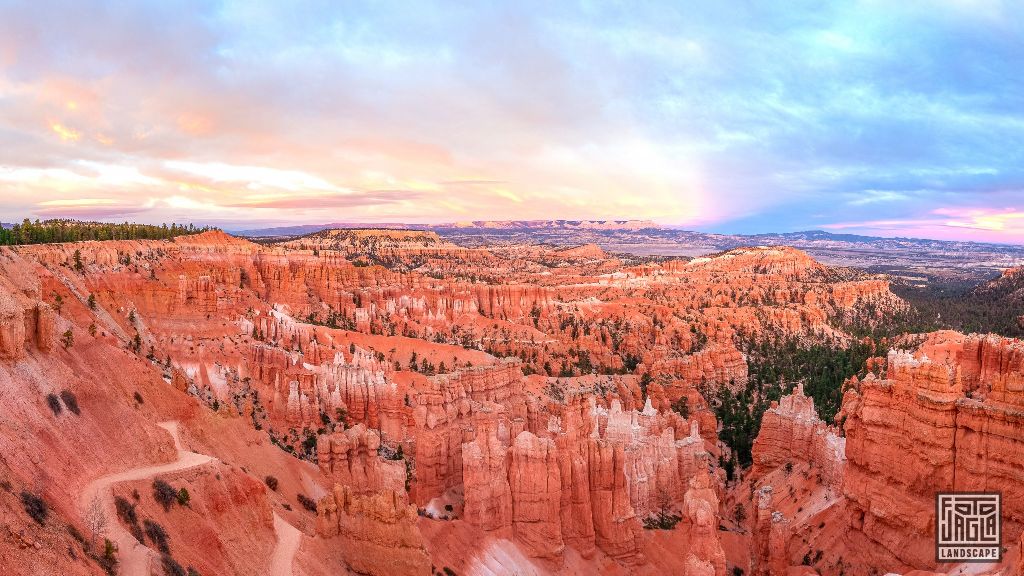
pixel 870 117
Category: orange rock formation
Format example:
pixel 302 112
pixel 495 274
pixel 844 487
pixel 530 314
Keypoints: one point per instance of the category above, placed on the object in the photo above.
pixel 506 409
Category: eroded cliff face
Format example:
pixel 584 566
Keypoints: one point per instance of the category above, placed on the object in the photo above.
pixel 792 432
pixel 946 416
pixel 376 531
pixel 27 322
pixel 554 468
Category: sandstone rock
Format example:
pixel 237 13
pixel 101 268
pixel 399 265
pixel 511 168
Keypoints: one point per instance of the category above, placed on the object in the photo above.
pixel 45 323
pixel 535 481
pixel 946 417
pixel 792 432
pixel 376 531
pixel 700 509
pixel 350 458
pixel 12 328
pixel 616 527
pixel 485 461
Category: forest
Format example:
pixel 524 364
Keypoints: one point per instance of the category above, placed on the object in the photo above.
pixel 62 230
pixel 774 368
pixel 994 307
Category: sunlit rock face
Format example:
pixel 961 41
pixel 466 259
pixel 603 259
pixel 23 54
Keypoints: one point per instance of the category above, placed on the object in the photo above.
pixel 943 416
pixel 792 432
pixel 946 417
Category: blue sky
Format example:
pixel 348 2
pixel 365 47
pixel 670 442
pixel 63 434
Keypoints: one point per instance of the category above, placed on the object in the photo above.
pixel 890 118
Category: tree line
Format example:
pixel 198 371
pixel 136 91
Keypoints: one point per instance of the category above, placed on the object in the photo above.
pixel 63 230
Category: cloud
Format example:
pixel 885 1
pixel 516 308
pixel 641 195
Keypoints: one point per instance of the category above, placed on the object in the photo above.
pixel 86 208
pixel 876 196
pixel 350 200
pixel 984 218
pixel 747 117
pixel 253 177
pixel 65 133
pixel 960 223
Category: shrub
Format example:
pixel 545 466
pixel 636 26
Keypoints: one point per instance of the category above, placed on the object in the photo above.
pixel 309 444
pixel 682 407
pixel 171 566
pixel 67 339
pixel 389 453
pixel 138 398
pixel 164 494
pixel 137 533
pixel 740 513
pixel 35 507
pixel 271 483
pixel 737 571
pixel 184 497
pixel 157 535
pixel 661 521
pixel 125 511
pixel 54 403
pixel 109 559
pixel 71 401
pixel 306 502
pixel 193 572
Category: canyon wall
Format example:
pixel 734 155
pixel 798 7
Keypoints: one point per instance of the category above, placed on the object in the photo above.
pixel 947 417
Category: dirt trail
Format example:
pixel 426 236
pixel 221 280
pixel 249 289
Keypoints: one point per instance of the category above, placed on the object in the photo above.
pixel 135 558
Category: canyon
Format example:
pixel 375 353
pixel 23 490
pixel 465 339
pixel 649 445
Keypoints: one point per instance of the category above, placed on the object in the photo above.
pixel 393 402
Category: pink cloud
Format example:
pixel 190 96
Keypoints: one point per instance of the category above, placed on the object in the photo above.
pixel 980 224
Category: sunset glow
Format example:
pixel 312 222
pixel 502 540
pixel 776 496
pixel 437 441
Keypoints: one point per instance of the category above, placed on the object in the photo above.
pixel 895 119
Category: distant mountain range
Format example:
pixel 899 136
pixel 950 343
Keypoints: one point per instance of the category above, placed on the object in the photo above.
pixel 645 227
pixel 512 225
pixel 907 257
pixel 303 229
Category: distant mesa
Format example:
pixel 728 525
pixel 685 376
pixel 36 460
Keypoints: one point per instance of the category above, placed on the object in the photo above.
pixel 510 225
pixel 590 251
pixel 302 230
pixel 780 260
pixel 555 224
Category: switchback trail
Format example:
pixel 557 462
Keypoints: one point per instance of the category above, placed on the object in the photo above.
pixel 135 558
